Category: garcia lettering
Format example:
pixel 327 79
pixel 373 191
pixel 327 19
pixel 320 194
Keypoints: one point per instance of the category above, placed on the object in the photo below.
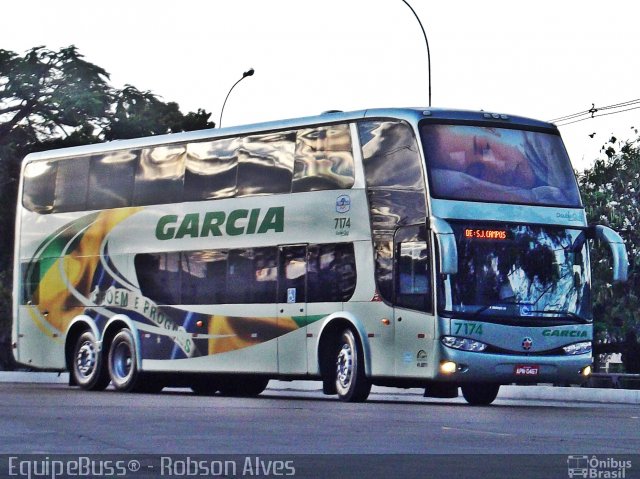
pixel 565 333
pixel 219 223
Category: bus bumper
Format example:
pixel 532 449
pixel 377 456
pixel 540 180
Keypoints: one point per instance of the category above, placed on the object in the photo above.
pixel 464 367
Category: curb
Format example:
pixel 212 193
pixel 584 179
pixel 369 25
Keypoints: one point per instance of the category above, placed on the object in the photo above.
pixel 534 393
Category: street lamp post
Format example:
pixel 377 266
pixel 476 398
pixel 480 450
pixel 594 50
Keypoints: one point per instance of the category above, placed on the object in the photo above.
pixel 246 74
pixel 426 41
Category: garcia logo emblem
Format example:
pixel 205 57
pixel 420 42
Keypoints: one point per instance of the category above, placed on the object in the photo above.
pixel 527 343
pixel 343 203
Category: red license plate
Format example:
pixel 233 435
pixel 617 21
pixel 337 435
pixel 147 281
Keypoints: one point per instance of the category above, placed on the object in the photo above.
pixel 527 370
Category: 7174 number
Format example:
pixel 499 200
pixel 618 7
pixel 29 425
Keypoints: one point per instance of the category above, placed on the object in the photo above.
pixel 343 223
pixel 467 328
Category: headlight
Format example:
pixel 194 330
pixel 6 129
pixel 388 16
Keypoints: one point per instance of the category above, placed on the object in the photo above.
pixel 578 348
pixel 463 344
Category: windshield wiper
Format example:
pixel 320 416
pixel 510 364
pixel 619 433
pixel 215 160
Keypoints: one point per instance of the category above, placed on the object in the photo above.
pixel 569 314
pixel 481 310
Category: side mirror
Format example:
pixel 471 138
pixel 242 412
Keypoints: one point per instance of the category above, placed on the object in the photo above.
pixel 618 250
pixel 448 251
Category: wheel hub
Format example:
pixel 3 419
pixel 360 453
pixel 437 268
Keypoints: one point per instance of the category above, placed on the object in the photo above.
pixel 345 366
pixel 122 361
pixel 86 358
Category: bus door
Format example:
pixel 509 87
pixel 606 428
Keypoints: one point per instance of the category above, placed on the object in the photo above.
pixel 413 310
pixel 292 310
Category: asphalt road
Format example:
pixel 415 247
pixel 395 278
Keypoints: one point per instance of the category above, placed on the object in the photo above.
pixel 57 419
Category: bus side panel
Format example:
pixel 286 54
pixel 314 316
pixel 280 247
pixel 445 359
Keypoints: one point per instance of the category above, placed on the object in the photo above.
pixel 39 345
pixel 380 335
pixel 258 359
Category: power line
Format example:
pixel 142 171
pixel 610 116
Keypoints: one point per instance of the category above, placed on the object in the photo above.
pixel 603 114
pixel 593 112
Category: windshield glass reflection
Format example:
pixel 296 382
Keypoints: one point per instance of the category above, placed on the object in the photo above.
pixel 519 271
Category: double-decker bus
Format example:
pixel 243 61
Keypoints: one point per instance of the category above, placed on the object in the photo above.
pixel 431 248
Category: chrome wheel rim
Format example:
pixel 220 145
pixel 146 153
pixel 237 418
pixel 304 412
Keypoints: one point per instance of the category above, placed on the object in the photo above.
pixel 121 361
pixel 345 366
pixel 86 359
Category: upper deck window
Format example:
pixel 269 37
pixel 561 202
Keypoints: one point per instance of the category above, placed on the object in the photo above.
pixel 279 162
pixel 479 163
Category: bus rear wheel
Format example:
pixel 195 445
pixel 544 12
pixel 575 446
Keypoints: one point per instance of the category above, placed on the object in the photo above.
pixel 87 366
pixel 352 384
pixel 123 361
pixel 480 394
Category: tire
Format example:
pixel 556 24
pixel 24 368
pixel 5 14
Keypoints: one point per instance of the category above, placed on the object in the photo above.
pixel 87 365
pixel 123 363
pixel 480 394
pixel 243 386
pixel 351 383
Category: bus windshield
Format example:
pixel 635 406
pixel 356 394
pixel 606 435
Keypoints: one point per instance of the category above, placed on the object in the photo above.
pixel 518 272
pixel 478 163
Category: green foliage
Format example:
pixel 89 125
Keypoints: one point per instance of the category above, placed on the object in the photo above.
pixel 611 193
pixel 55 99
pixel 46 93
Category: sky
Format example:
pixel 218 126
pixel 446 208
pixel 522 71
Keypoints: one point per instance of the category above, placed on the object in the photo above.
pixel 543 59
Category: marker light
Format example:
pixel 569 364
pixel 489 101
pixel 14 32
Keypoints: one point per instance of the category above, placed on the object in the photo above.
pixel 463 344
pixel 448 367
pixel 578 348
pixel 586 371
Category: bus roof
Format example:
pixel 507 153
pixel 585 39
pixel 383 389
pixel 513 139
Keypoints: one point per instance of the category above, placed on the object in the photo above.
pixel 334 116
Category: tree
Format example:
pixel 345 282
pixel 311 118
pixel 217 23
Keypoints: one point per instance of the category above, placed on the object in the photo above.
pixel 54 99
pixel 140 113
pixel 611 193
pixel 47 94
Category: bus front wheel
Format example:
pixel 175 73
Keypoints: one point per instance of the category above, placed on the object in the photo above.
pixel 352 384
pixel 87 364
pixel 480 394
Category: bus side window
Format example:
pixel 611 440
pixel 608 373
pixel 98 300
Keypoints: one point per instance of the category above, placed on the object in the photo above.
pixel 203 277
pixel 414 279
pixel 252 276
pixel 39 186
pixel 265 279
pixel 211 169
pixel 324 159
pixel 395 190
pixel 413 269
pixel 265 163
pixel 159 277
pixel 331 273
pixel 160 175
pixel 390 155
pixel 239 274
pixel 293 274
pixel 72 182
pixel 111 180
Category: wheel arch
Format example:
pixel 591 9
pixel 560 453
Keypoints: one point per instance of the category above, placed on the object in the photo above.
pixel 329 333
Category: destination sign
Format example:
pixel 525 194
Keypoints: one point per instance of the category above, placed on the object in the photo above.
pixel 486 234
